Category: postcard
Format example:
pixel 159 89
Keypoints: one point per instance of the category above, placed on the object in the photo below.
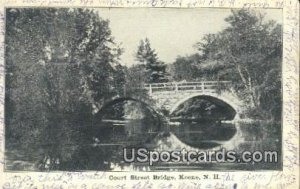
pixel 149 94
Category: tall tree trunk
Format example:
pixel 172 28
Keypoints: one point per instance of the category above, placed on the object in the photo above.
pixel 248 85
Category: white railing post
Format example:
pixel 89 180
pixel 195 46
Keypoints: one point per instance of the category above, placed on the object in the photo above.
pixel 202 86
pixel 176 86
pixel 150 89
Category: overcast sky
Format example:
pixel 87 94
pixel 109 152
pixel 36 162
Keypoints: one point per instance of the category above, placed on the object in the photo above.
pixel 172 32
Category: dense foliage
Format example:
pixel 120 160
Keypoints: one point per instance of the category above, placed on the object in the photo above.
pixel 58 72
pixel 248 53
pixel 153 69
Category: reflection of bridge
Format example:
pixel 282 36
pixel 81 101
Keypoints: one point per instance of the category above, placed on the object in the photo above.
pixel 170 96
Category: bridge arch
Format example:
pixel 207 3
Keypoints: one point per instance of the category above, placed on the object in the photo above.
pixel 213 97
pixel 156 115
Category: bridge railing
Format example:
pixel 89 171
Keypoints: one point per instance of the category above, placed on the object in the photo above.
pixel 204 86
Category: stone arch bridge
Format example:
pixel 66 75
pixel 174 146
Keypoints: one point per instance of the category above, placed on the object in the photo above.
pixel 170 96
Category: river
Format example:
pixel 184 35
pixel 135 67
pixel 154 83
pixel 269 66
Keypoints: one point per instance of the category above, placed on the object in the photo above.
pixel 104 149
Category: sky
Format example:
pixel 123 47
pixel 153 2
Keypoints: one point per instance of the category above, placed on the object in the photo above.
pixel 172 32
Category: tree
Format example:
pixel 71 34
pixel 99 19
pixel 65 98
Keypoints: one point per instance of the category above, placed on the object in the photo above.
pixel 250 52
pixel 155 70
pixel 61 64
pixel 186 68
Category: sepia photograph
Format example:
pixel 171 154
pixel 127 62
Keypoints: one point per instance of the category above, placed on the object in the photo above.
pixel 143 89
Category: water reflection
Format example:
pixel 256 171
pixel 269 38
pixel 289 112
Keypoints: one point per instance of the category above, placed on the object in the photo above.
pixel 203 134
pixel 126 123
pixel 131 124
pixel 238 136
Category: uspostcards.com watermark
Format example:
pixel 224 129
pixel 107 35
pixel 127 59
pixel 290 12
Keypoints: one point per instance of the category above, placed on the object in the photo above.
pixel 144 155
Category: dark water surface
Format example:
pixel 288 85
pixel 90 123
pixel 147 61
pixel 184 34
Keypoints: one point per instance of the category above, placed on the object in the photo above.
pixel 104 151
pixel 129 124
